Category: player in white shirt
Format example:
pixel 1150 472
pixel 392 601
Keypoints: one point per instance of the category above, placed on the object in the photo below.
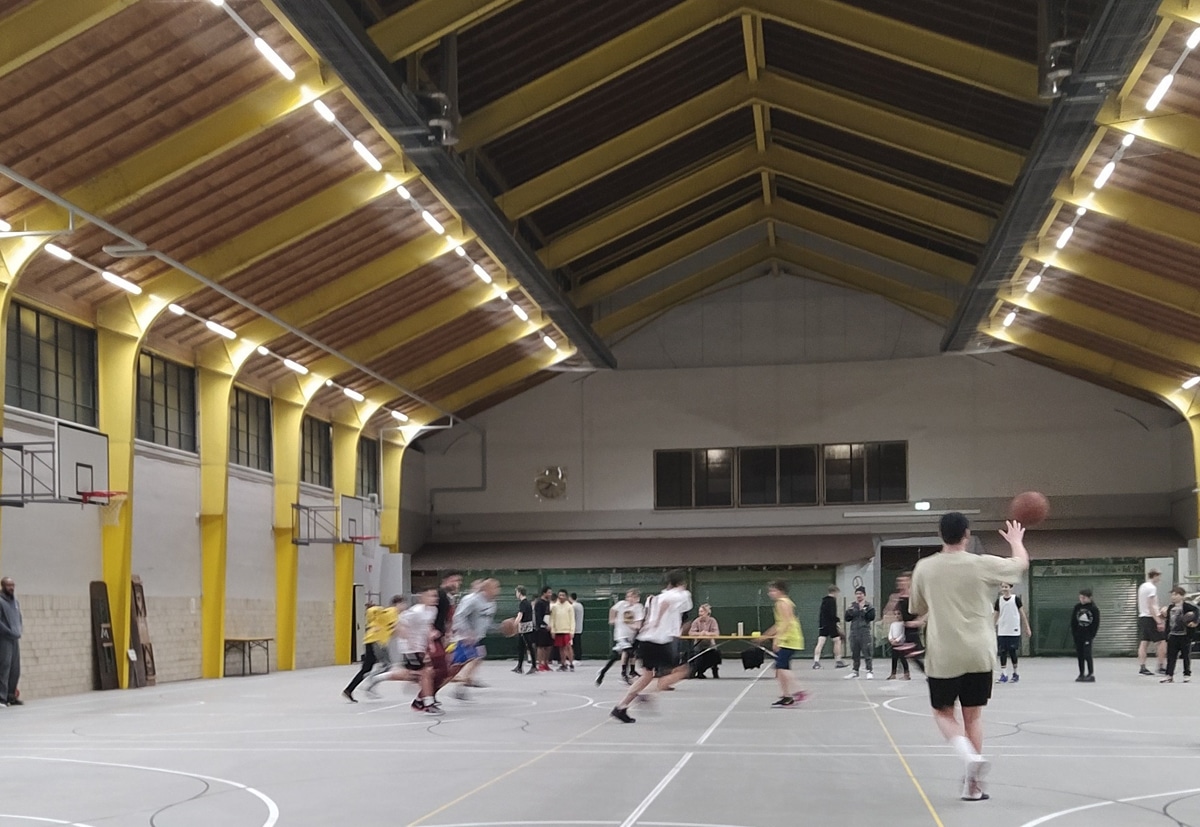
pixel 658 643
pixel 414 631
pixel 626 618
pixel 1011 620
pixel 1150 625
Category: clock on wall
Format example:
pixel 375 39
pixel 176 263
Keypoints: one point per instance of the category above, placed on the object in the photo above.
pixel 551 483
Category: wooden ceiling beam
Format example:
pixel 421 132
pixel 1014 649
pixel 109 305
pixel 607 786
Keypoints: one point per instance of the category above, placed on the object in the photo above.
pixel 42 26
pixel 1112 273
pixel 1136 210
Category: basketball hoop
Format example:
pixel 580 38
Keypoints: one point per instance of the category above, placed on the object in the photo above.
pixel 362 539
pixel 110 503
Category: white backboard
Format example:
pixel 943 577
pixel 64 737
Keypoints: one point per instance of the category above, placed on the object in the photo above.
pixel 356 518
pixel 82 461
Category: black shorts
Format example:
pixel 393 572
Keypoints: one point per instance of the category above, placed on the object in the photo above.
pixel 542 637
pixel 415 661
pixel 829 632
pixel 660 657
pixel 971 689
pixel 1148 630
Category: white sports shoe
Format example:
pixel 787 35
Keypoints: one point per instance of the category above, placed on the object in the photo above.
pixel 850 676
pixel 973 786
pixel 870 676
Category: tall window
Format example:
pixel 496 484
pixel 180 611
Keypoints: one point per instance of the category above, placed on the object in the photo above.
pixel 871 472
pixel 250 430
pixel 777 475
pixel 316 453
pixel 51 366
pixel 367 481
pixel 700 478
pixel 166 412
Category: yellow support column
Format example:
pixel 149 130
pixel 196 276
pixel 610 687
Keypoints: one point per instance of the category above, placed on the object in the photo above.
pixel 286 418
pixel 345 462
pixel 117 354
pixel 390 472
pixel 214 389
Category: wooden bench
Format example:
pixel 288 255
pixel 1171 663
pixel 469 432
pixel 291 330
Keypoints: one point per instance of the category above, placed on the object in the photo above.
pixel 247 645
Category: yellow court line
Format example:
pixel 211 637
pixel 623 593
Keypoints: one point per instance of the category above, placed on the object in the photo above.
pixel 507 773
pixel 911 777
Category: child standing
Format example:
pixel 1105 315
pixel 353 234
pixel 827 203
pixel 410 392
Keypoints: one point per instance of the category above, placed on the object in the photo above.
pixel 1181 619
pixel 1085 623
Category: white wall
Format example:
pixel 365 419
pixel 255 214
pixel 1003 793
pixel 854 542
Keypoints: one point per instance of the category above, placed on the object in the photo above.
pixel 980 429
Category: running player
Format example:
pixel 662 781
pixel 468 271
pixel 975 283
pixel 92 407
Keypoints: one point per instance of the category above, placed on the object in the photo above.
pixel 827 628
pixel 658 643
pixel 414 664
pixel 472 620
pixel 626 618
pixel 788 641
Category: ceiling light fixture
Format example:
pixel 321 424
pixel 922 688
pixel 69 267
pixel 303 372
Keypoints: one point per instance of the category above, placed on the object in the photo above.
pixel 520 311
pixel 58 252
pixel 1033 283
pixel 353 394
pixel 399 416
pixel 220 329
pixel 459 251
pixel 324 111
pixel 1193 40
pixel 1191 383
pixel 403 192
pixel 176 309
pixel 1159 92
pixel 4 226
pixel 433 222
pixel 550 343
pixel 1065 237
pixel 1081 211
pixel 296 366
pixel 1104 175
pixel 1010 318
pixel 274 59
pixel 484 275
pixel 262 351
pixel 366 155
pixel 124 284
pixel 1127 141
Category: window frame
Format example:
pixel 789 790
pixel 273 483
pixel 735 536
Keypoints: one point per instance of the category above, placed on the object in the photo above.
pixel 362 473
pixel 166 403
pixel 316 452
pixel 255 410
pixel 73 376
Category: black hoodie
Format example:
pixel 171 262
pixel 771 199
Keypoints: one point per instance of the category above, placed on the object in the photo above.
pixel 1085 621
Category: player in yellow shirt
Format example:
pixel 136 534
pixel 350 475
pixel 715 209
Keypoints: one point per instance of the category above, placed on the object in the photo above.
pixel 381 623
pixel 788 641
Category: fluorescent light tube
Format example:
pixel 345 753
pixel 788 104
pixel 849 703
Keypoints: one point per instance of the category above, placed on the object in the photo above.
pixel 220 329
pixel 1127 141
pixel 366 155
pixel 401 417
pixel 483 274
pixel 403 192
pixel 550 343
pixel 1010 318
pixel 1191 383
pixel 1159 92
pixel 1194 39
pixel 262 351
pixel 58 252
pixel 353 394
pixel 296 366
pixel 433 222
pixel 124 284
pixel 176 309
pixel 274 59
pixel 1104 175
pixel 4 226
pixel 520 311
pixel 1065 237
pixel 1033 283
pixel 324 111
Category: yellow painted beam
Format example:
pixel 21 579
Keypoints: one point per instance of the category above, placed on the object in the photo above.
pixel 183 151
pixel 1112 326
pixel 927 304
pixel 1173 130
pixel 345 466
pixel 875 243
pixel 908 44
pixel 40 27
pixel 286 418
pixel 391 478
pixel 116 362
pixel 407 330
pixel 684 290
pixel 1187 11
pixel 643 139
pixel 501 379
pixel 212 396
pixel 425 22
pixel 664 199
pixel 1167 388
pixel 908 204
pixel 666 254
pixel 857 186
pixel 389 268
pixel 249 247
pixel 1112 273
pixel 1135 209
pixel 577 77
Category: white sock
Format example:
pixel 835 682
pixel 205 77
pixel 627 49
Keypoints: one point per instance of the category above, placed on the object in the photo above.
pixel 963 747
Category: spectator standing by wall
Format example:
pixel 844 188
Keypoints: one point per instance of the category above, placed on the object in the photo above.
pixel 577 643
pixel 860 615
pixel 11 628
pixel 1085 623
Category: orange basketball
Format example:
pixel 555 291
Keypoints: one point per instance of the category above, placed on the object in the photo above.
pixel 508 627
pixel 1029 508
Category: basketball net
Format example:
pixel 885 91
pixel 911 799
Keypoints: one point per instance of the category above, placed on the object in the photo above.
pixel 110 512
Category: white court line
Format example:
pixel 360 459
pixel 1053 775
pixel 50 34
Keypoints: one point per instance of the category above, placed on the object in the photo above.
pixel 1099 804
pixel 46 820
pixel 1105 708
pixel 662 785
pixel 729 708
pixel 272 808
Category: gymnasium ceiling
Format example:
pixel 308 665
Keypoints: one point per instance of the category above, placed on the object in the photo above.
pixel 869 143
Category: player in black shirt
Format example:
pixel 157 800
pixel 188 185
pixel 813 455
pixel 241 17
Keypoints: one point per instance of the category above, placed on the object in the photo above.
pixel 827 627
pixel 541 630
pixel 525 643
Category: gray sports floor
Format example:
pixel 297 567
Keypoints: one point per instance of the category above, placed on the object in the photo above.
pixel 287 749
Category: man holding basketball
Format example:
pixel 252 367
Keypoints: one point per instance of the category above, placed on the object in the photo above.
pixel 954 589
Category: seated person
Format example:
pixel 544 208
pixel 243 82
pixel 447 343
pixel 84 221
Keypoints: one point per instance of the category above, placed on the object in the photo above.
pixel 706 656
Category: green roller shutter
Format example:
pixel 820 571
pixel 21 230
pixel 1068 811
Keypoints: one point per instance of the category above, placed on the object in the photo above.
pixel 1054 587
